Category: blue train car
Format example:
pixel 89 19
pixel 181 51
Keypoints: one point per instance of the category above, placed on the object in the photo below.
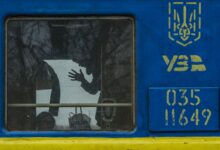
pixel 134 74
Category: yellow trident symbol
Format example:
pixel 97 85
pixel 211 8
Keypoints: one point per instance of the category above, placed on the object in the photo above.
pixel 184 30
pixel 184 22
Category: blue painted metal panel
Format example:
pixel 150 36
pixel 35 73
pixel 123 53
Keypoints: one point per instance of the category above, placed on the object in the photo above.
pixel 183 109
pixel 152 43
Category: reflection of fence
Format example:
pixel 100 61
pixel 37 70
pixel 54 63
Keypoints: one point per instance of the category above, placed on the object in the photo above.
pixel 73 105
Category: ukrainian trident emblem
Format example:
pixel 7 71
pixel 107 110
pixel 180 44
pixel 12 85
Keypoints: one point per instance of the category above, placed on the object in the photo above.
pixel 184 22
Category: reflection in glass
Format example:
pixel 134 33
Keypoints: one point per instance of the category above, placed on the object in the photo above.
pixel 70 74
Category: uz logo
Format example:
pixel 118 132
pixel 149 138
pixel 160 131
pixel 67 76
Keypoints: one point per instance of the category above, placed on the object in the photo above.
pixel 183 63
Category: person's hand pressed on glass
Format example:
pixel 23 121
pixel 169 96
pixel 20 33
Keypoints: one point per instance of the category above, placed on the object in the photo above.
pixel 75 76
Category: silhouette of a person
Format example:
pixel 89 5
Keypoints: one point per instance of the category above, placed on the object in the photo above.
pixel 93 66
pixel 92 87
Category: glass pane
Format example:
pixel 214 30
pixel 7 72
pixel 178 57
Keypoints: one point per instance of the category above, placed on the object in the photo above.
pixel 70 73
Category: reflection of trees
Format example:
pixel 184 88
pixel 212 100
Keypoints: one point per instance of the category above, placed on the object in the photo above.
pixel 28 44
pixel 108 43
pixel 116 71
pixel 88 42
pixel 31 44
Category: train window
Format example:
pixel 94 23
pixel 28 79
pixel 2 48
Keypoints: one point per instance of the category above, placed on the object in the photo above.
pixel 69 74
